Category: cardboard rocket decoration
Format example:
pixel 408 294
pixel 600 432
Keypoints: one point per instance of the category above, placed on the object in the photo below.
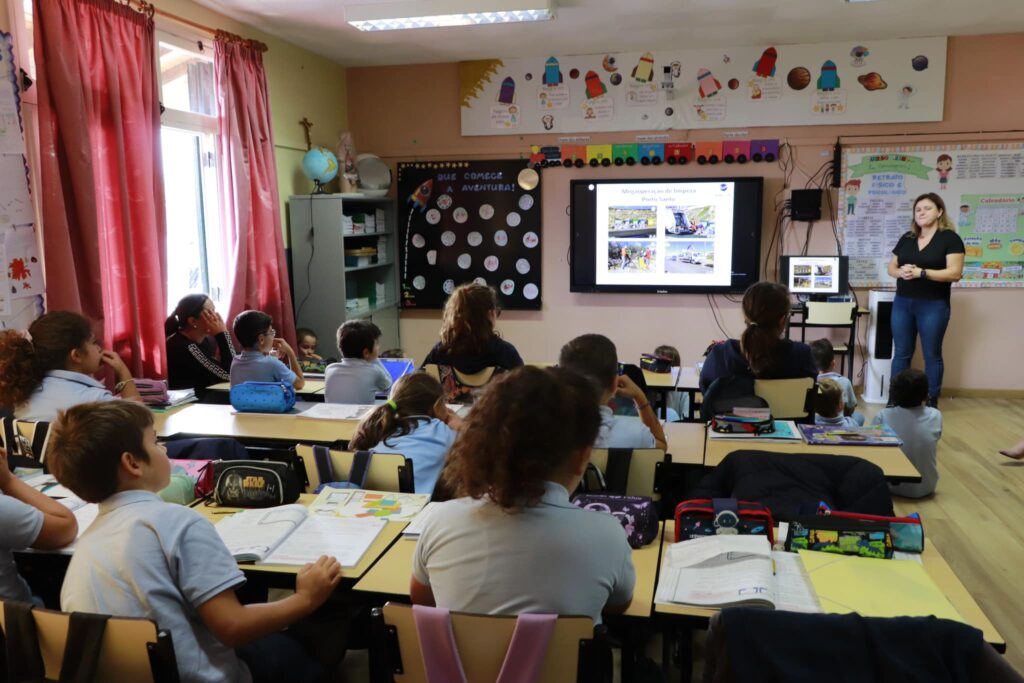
pixel 707 84
pixel 765 67
pixel 552 74
pixel 829 78
pixel 507 94
pixel 595 88
pixel 643 72
pixel 421 196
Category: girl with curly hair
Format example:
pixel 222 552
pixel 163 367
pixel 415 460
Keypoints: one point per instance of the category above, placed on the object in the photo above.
pixel 469 342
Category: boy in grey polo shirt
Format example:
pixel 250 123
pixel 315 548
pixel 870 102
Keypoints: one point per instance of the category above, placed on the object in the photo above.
pixel 359 375
pixel 143 557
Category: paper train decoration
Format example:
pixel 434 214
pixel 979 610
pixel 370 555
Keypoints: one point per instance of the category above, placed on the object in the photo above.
pixel 646 153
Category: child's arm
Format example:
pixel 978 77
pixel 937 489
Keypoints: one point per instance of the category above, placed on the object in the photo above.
pixel 383 377
pixel 291 361
pixel 628 389
pixel 421 594
pixel 123 374
pixel 236 624
pixel 59 524
pixel 443 413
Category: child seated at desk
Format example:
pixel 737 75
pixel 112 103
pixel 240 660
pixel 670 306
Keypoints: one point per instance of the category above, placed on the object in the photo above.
pixel 677 402
pixel 919 426
pixel 146 558
pixel 255 332
pixel 415 422
pixel 594 356
pixel 28 519
pixel 513 542
pixel 359 375
pixel 824 356
pixel 309 359
pixel 828 405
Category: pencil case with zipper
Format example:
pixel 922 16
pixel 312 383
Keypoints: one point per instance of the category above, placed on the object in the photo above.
pixel 907 532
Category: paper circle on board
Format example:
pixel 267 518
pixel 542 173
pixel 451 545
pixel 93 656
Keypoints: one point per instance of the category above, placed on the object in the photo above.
pixel 491 263
pixel 526 202
pixel 530 291
pixel 465 261
pixel 433 216
pixel 501 238
pixel 480 281
pixel 444 202
pixel 523 266
pixel 448 286
pixel 474 239
pixel 460 215
pixel 528 179
pixel 513 219
pixel 419 282
pixel 447 238
pixel 486 211
pixel 432 256
pixel 418 241
pixel 530 240
pixel 507 287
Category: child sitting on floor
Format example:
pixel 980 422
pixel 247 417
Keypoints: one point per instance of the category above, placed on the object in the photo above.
pixel 828 405
pixel 919 426
pixel 824 356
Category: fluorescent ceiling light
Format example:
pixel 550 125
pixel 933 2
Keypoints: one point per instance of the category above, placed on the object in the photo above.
pixel 391 16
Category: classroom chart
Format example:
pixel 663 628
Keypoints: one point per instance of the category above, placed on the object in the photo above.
pixel 873 81
pixel 982 186
pixel 469 221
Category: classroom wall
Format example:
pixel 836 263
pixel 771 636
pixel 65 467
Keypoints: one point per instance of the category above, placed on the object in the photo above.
pixel 412 112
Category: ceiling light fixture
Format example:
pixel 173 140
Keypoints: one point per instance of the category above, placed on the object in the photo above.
pixel 391 16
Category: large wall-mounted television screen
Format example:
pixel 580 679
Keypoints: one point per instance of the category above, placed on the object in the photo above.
pixel 665 236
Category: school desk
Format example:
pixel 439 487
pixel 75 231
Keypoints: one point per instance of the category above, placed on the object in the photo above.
pixel 312 390
pixel 390 576
pixel 665 382
pixel 284 575
pixel 894 463
pixel 204 419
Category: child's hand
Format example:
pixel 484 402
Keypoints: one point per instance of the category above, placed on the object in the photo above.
pixel 282 348
pixel 317 580
pixel 313 356
pixel 116 364
pixel 627 388
pixel 211 322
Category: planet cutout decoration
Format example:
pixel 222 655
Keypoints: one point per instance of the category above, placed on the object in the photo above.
pixel 501 238
pixel 608 63
pixel 920 63
pixel 872 81
pixel 531 291
pixel 418 241
pixel 449 286
pixel 574 73
pixel 507 287
pixel 419 282
pixel 465 261
pixel 433 216
pixel 734 83
pixel 799 78
pixel 529 77
pixel 616 79
pixel 486 211
pixel 474 239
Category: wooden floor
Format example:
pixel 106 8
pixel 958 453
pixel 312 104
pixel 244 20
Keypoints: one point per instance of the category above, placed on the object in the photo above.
pixel 976 517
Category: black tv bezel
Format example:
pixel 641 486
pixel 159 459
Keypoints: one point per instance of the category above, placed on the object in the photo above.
pixel 594 288
pixel 844 274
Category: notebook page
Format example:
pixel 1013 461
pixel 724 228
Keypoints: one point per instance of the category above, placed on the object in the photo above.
pixel 251 535
pixel 345 539
pixel 793 590
pixel 718 582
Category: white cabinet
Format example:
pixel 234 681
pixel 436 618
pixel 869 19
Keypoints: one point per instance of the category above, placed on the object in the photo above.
pixel 326 289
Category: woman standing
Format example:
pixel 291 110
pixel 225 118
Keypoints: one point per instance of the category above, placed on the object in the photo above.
pixel 199 350
pixel 925 262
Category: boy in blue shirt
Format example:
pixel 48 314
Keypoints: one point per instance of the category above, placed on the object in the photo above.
pixel 255 332
pixel 143 557
pixel 824 356
pixel 359 375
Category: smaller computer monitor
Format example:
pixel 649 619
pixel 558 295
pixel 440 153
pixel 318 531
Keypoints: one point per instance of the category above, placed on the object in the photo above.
pixel 816 276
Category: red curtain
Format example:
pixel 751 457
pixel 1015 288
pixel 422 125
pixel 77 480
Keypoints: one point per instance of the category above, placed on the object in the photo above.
pixel 102 188
pixel 251 207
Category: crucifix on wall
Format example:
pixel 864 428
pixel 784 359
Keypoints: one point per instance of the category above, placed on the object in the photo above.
pixel 306 125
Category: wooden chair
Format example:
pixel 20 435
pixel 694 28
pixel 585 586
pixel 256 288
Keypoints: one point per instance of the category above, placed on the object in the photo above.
pixel 26 442
pixel 643 477
pixel 388 471
pixel 832 314
pixel 482 640
pixel 132 649
pixel 789 399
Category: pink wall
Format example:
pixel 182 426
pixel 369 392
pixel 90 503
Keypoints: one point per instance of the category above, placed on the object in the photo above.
pixel 412 112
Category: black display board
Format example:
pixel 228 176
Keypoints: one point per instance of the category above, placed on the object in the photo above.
pixel 461 221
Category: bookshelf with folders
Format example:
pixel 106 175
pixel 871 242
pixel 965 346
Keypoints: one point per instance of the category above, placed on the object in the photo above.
pixel 343 265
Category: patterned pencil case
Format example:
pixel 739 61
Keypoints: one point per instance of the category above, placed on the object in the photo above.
pixel 840 536
pixel 907 532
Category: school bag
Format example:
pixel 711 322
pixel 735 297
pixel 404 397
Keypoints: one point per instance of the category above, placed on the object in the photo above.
pixel 726 393
pixel 325 469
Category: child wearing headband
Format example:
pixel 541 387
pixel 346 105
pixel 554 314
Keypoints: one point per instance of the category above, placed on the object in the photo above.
pixel 416 422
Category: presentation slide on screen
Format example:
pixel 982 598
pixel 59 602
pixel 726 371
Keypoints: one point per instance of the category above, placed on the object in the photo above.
pixel 671 233
pixel 810 275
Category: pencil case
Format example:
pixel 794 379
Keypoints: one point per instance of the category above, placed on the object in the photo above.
pixel 842 536
pixel 636 514
pixel 710 516
pixel 733 424
pixel 907 532
pixel 254 483
pixel 263 397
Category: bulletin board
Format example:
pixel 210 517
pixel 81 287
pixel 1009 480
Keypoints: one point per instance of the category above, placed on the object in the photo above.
pixel 469 221
pixel 21 277
pixel 982 186
pixel 873 81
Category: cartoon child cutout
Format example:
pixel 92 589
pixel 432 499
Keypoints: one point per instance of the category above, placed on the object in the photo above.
pixel 964 219
pixel 852 189
pixel 548 121
pixel 943 165
pixel 903 97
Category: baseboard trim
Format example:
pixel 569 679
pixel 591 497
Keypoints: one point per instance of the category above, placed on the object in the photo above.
pixel 954 392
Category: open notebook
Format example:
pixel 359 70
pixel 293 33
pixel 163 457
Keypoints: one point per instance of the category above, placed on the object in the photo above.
pixel 289 534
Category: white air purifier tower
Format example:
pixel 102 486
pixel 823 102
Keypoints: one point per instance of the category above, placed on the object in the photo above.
pixel 877 374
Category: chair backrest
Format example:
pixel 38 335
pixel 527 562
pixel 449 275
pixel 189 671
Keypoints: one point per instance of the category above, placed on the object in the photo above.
pixel 830 313
pixel 388 471
pixel 25 439
pixel 132 649
pixel 482 641
pixel 642 479
pixel 476 379
pixel 789 399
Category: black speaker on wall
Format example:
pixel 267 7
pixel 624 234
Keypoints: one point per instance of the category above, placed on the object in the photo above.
pixel 883 331
pixel 805 205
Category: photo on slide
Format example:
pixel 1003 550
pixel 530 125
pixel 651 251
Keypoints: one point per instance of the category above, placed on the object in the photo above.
pixel 802 269
pixel 690 221
pixel 632 256
pixel 632 221
pixel 689 256
pixel 823 283
pixel 823 270
pixel 803 282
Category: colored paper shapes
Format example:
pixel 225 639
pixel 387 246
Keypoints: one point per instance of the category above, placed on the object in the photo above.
pixel 421 196
pixel 678 152
pixel 707 84
pixel 920 63
pixel 473 76
pixel 643 72
pixel 857 55
pixel 625 154
pixel 734 83
pixel 608 64
pixel 615 79
pixel 708 152
pixel 872 81
pixel 798 78
pixel 828 80
pixel 765 66
pixel 507 94
pixel 595 88
pixel 764 150
pixel 599 154
pixel 574 155
pixel 736 151
pixel 574 74
pixel 651 153
pixel 552 74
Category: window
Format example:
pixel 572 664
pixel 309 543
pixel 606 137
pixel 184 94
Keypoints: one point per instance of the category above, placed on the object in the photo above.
pixel 196 254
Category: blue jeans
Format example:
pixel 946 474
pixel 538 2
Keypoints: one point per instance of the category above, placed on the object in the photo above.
pixel 926 317
pixel 279 658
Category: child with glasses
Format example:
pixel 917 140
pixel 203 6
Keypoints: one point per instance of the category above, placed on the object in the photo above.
pixel 255 332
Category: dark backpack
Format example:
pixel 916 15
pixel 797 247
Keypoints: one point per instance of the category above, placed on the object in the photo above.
pixel 726 393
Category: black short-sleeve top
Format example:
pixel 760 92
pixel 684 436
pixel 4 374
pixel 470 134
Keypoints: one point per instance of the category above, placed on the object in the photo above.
pixel 932 257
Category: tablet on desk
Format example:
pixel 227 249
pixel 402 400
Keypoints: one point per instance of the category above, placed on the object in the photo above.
pixel 397 367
